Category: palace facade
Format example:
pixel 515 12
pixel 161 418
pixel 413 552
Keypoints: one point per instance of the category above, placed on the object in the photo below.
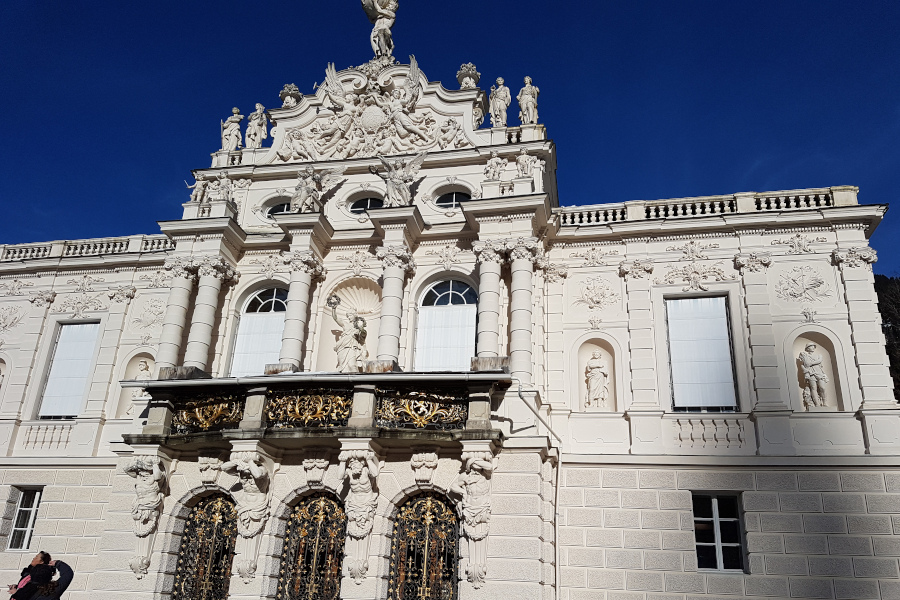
pixel 378 359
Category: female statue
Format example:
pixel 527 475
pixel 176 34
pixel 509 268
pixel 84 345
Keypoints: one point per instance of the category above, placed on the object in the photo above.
pixel 597 374
pixel 351 345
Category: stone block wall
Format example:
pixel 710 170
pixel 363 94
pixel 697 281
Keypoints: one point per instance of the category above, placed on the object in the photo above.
pixel 627 533
pixel 70 520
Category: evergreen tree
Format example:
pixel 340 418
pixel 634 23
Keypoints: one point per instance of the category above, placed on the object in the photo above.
pixel 888 290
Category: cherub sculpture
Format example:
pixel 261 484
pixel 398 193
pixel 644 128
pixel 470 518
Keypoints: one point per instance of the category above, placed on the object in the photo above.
pixel 198 190
pixel 346 106
pixel 400 174
pixel 382 14
pixel 311 184
pixel 400 105
pixel 494 167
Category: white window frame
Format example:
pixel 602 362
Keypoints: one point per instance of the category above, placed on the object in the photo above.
pixel 237 331
pixel 422 361
pixel 671 372
pixel 717 531
pixel 29 528
pixel 49 369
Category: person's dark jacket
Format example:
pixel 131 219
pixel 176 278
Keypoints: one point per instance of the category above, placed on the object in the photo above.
pixel 62 584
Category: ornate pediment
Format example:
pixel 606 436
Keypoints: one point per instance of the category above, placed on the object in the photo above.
pixel 364 112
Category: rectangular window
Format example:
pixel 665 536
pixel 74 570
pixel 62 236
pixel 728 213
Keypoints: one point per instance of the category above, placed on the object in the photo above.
pixel 700 354
pixel 258 343
pixel 445 337
pixel 717 531
pixel 70 369
pixel 23 524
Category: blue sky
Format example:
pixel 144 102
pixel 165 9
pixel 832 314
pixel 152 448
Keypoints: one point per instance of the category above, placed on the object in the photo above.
pixel 108 105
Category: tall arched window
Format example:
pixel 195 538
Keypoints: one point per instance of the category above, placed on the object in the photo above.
pixel 207 549
pixel 258 340
pixel 313 550
pixel 445 336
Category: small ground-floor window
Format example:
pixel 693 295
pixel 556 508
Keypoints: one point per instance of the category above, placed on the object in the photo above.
pixel 717 529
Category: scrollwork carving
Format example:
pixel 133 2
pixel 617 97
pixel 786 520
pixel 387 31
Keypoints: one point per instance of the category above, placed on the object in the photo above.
pixel 315 463
pixel 694 274
pixel 855 258
pixel 398 256
pixel 309 408
pixel 802 284
pixel 636 269
pixel 406 409
pixel 489 251
pixel 753 262
pixel 208 414
pixel 304 262
pixel 423 462
pixel 799 243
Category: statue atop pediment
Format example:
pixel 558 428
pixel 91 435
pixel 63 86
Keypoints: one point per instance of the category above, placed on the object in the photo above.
pixel 382 14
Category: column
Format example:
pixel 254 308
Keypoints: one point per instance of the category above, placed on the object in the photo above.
pixel 522 254
pixel 490 261
pixel 212 271
pixel 184 276
pixel 397 262
pixel 305 268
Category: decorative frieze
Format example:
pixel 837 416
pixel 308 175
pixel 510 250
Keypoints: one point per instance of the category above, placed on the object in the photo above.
pixel 593 256
pixel 597 294
pixel 14 287
pixel 693 250
pixel 799 243
pixel 802 284
pixel 694 275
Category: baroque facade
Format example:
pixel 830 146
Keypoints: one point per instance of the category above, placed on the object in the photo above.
pixel 377 359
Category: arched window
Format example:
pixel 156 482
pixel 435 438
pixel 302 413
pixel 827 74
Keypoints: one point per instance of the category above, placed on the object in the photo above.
pixel 278 209
pixel 259 333
pixel 360 206
pixel 313 550
pixel 452 199
pixel 445 336
pixel 424 550
pixel 207 549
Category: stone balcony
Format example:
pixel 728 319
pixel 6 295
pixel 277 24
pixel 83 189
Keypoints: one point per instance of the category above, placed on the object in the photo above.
pixel 292 411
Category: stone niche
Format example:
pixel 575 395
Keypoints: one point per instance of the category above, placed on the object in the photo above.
pixel 132 372
pixel 357 293
pixel 581 400
pixel 825 349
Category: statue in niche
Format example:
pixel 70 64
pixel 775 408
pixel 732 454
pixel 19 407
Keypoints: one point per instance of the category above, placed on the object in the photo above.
pixel 257 127
pixel 814 377
pixel 231 131
pixel 400 174
pixel 310 187
pixel 525 164
pixel 500 100
pixel 474 485
pixel 494 167
pixel 351 345
pixel 382 14
pixel 252 498
pixel 360 468
pixel 148 489
pixel 528 106
pixel 596 374
pixel 143 374
pixel 198 190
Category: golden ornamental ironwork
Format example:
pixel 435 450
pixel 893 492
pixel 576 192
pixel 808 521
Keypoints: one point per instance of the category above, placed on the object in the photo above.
pixel 406 409
pixel 309 408
pixel 203 571
pixel 424 550
pixel 210 413
pixel 313 550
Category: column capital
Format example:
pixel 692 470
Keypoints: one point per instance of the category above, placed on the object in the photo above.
pixel 752 262
pixel 489 251
pixel 636 269
pixel 213 265
pixel 854 258
pixel 398 255
pixel 523 248
pixel 304 261
pixel 181 267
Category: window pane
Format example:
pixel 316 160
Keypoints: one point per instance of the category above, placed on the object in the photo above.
pixel 258 343
pixel 17 539
pixel 704 531
pixel 700 352
pixel 728 508
pixel 70 370
pixel 732 557
pixel 730 532
pixel 706 557
pixel 703 506
pixel 22 518
pixel 28 497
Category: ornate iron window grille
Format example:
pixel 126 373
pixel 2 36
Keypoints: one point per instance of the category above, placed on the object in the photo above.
pixel 313 550
pixel 207 550
pixel 410 409
pixel 424 550
pixel 309 408
pixel 207 413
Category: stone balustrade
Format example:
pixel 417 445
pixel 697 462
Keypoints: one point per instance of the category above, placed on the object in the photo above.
pixel 91 247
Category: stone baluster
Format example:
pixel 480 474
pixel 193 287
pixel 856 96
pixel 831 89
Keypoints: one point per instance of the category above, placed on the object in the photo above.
pixel 397 261
pixel 522 254
pixel 490 261
pixel 305 269
pixel 184 277
pixel 212 271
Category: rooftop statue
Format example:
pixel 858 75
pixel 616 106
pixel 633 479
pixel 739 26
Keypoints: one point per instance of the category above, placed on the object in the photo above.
pixel 382 14
pixel 311 184
pixel 231 131
pixel 500 100
pixel 528 106
pixel 400 174
pixel 257 127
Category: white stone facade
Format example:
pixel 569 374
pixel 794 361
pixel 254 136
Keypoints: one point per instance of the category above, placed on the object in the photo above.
pixel 587 497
